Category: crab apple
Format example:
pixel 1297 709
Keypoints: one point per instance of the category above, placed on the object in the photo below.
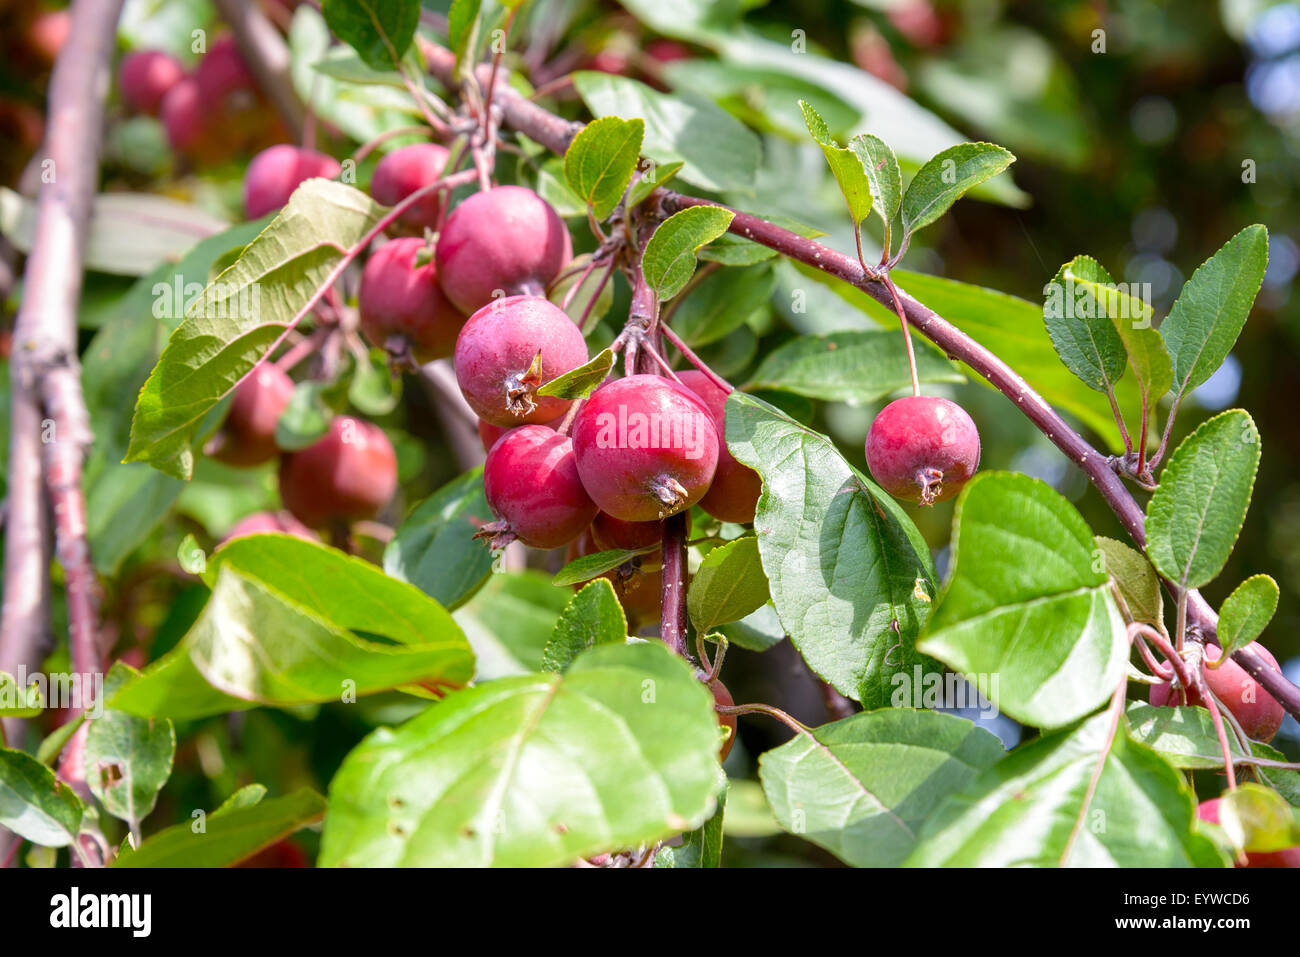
pixel 349 473
pixel 505 240
pixel 222 71
pixel 1257 711
pixel 531 483
pixel 922 448
pixel 181 112
pixel 637 585
pixel 489 433
pixel 401 173
pixel 508 349
pixel 402 305
pixel 646 446
pixel 1287 857
pixel 733 496
pixel 145 76
pixel 267 523
pixel 247 436
pixel 277 171
pixel 608 532
pixel 722 698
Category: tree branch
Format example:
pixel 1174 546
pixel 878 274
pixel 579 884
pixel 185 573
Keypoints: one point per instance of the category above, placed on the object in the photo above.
pixel 556 133
pixel 267 56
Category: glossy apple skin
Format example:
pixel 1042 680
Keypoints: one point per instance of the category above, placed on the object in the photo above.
pixel 608 532
pixel 247 436
pixel 222 71
pixel 403 171
pixel 268 523
pixel 1287 857
pixel 626 469
pixel 350 473
pixel 918 433
pixel 400 299
pixel 497 345
pixel 733 496
pixel 1260 718
pixel 530 481
pixel 277 171
pixel 145 76
pixel 181 112
pixel 503 241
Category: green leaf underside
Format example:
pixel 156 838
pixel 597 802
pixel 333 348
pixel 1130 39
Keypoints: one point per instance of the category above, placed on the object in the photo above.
pixel 1137 580
pixel 861 787
pixel 843 560
pixel 845 164
pixel 1034 808
pixel 1195 515
pixel 128 760
pixel 241 316
pixel 36 805
pixel 538 770
pixel 1026 603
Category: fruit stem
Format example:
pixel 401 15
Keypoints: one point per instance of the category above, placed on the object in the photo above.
pixel 367 148
pixel 907 332
pixel 595 296
pixel 695 360
pixel 673 622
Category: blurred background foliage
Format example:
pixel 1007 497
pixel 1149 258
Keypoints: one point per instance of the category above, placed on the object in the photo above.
pixel 1148 132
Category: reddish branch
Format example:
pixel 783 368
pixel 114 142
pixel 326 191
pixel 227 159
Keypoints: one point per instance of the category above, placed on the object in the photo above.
pixel 50 424
pixel 556 133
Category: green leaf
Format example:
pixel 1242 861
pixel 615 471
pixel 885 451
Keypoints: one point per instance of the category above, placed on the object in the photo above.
pixel 600 161
pixel 757 631
pixel 1246 612
pixel 460 21
pixel 249 795
pixel 128 760
pixel 534 771
pixel 1137 580
pixel 717 151
pixel 850 575
pixel 596 564
pixel 1027 604
pixel 434 548
pixel 1194 517
pixel 1081 331
pixel 380 31
pixel 1036 808
pixel 945 177
pixel 1207 317
pixel 668 261
pixel 1256 818
pixel 732 250
pixel 583 381
pixel 290 622
pixel 242 314
pixel 854 367
pixel 592 617
pixel 229 835
pixel 1185 737
pixel 845 164
pixel 723 301
pixel 510 621
pixel 728 585
pixel 36 805
pixel 700 848
pixel 16 702
pixel 372 388
pixel 861 787
pixel 306 418
pixel 659 174
pixel 883 176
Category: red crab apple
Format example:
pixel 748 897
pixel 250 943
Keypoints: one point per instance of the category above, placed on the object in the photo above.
pixel 403 307
pixel 1287 857
pixel 502 241
pixel 145 76
pixel 277 171
pixel 181 112
pixel 401 173
pixel 608 532
pixel 247 436
pixel 638 584
pixel 646 446
pixel 507 350
pixel 350 473
pixel 1257 711
pixel 722 698
pixel 268 523
pixel 922 448
pixel 222 71
pixel 733 496
pixel 531 482
pixel 489 433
